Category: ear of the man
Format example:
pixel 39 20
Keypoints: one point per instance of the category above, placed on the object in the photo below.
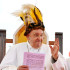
pixel 28 37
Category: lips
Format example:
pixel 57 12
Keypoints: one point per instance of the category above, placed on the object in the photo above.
pixel 38 40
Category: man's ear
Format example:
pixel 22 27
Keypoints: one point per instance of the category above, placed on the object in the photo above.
pixel 28 36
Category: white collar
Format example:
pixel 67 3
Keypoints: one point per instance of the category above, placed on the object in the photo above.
pixel 29 46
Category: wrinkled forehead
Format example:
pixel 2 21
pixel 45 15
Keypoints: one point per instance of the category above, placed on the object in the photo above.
pixel 37 31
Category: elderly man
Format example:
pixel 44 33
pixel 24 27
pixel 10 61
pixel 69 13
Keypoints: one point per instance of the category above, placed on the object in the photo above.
pixel 33 22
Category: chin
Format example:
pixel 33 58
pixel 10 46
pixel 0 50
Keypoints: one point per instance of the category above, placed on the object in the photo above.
pixel 39 45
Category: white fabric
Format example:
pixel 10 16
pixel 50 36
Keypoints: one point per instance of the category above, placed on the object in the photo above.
pixel 15 55
pixel 68 63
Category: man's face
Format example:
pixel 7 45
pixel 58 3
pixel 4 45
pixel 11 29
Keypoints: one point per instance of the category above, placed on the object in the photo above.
pixel 35 38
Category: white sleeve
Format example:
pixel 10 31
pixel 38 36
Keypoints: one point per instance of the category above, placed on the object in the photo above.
pixel 60 64
pixel 68 63
pixel 10 59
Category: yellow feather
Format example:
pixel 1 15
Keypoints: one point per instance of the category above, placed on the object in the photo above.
pixel 28 10
pixel 38 13
pixel 33 16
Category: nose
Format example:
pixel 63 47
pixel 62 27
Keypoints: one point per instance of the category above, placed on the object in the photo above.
pixel 39 38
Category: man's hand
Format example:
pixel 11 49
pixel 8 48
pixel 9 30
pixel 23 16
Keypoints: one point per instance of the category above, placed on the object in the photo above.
pixel 23 67
pixel 55 49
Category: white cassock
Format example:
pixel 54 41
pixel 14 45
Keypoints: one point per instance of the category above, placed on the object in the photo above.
pixel 15 55
pixel 68 63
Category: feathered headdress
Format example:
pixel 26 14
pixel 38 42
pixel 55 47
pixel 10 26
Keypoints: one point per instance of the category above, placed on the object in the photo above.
pixel 32 18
